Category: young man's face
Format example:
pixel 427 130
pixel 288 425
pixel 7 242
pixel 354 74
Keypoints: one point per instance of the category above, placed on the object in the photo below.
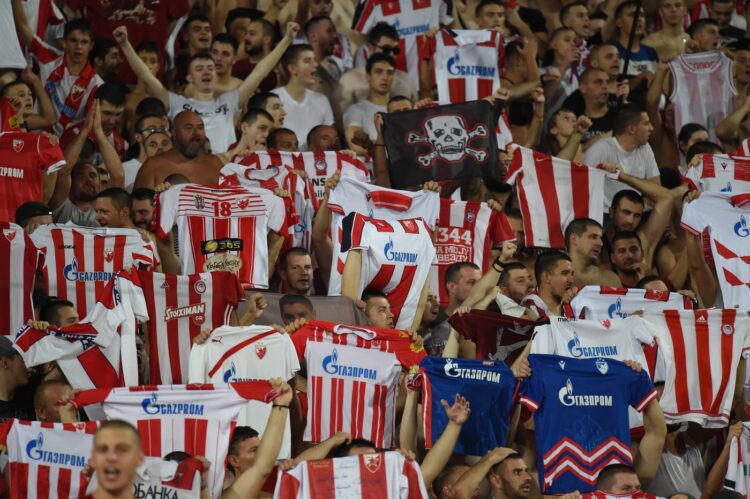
pixel 626 215
pixel 199 35
pixel 589 244
pixel 564 125
pixel 520 284
pixel 143 213
pixel 77 46
pixel 258 131
pixel 378 312
pixel 560 279
pixel 110 66
pixel 607 59
pixel 295 311
pixel 111 115
pixel 254 39
pixel 321 8
pixel 245 455
pixel 380 77
pixel 491 17
pixel 625 21
pixel 202 74
pixel 672 11
pixel 157 143
pixel 223 56
pixel 115 457
pixel 287 142
pixel 304 68
pixel 578 19
pixel 151 60
pixel 721 12
pixel 107 214
pixel 275 108
pixel 21 97
pixel 626 254
pixel 707 38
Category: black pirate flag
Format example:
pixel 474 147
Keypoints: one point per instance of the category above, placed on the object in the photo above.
pixel 441 143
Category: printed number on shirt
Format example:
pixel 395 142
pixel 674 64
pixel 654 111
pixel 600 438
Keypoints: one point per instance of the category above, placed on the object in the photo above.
pixel 454 235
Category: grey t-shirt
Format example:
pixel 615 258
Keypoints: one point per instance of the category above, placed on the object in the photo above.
pixel 69 212
pixel 218 116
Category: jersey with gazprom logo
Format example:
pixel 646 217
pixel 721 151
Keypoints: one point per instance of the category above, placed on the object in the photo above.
pixel 604 302
pixel 488 385
pixel 581 417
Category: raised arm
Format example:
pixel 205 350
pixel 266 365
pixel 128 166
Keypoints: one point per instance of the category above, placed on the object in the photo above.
pixel 647 459
pixel 350 276
pixel 46 117
pixel 266 65
pixel 442 450
pixel 109 154
pixel 469 481
pixel 715 479
pixel 153 85
pixel 22 26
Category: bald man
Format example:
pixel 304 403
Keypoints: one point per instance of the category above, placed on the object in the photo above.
pixel 187 157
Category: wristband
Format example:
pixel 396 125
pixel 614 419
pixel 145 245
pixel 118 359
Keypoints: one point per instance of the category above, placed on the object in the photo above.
pixel 280 405
pixel 497 263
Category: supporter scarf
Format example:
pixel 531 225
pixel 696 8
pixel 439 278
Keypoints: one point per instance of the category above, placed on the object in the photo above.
pixel 441 143
pixel 74 99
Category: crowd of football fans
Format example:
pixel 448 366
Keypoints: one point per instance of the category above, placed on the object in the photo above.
pixel 169 92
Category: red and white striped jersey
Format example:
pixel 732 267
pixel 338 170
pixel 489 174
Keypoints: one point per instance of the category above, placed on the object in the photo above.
pixel 552 192
pixel 727 218
pixel 411 18
pixel 100 351
pixel 467 232
pixel 709 75
pixel 744 148
pixel 604 302
pixel 386 475
pixel 352 378
pixel 197 419
pixel 19 260
pixel 180 307
pixel 162 479
pixel 353 196
pixel 221 228
pixel 396 259
pixel 701 349
pixel 80 261
pixel 27 158
pixel 47 460
pixel 721 173
pixel 249 353
pixel 598 494
pixel 738 469
pixel 467 67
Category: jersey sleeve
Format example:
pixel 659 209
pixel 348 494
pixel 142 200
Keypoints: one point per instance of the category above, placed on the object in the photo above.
pixel 641 332
pixel 165 210
pixel 355 232
pixel 500 229
pixel 51 156
pixel 197 364
pixel 276 212
pixel 291 362
pixel 44 53
pixel 255 390
pixel 642 391
pixel 532 388
pixel 542 341
pixel 693 219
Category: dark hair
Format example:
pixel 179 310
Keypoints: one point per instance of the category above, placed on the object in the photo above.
pixel 629 194
pixel 295 300
pixel 513 51
pixel 312 22
pixel 567 8
pixel 549 56
pixel 721 1
pixel 195 16
pixel 702 147
pixel 398 98
pixel 606 477
pixel 202 55
pixel 227 39
pixel 119 424
pixel 505 274
pixel 356 443
pixel 547 262
pixel 49 311
pixel 267 27
pixel 241 13
pixel 376 58
pixel 597 48
pixel 151 105
pixel 381 30
pixel 670 178
pixel 119 196
pixel 647 280
pixel 367 295
pixel 701 24
pixel 584 77
pixel 293 251
pixel 627 115
pixel 112 92
pixel 687 131
pixel 138 127
pixel 292 54
pixel 142 193
pixel 313 131
pixel 454 271
pixel 101 47
pixel 484 3
pixel 253 113
pixel 514 455
pixel 259 100
pixel 579 226
pixel 626 234
pixel 624 5
pixel 239 435
pixel 273 136
pixel 177 456
pixel 147 46
pixel 39 392
pixel 80 24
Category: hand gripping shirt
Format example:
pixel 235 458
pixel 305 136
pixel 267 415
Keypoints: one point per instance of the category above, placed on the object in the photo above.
pixel 604 302
pixel 591 397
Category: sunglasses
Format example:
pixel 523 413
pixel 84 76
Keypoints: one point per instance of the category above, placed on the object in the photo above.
pixel 388 50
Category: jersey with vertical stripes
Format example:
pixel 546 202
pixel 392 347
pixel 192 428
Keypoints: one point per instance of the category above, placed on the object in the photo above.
pixel 19 260
pixel 411 18
pixel 738 468
pixel 351 195
pixel 489 386
pixel 80 261
pixel 728 218
pixel 353 378
pixel 220 229
pixel 709 75
pixel 26 158
pixel 701 349
pixel 247 353
pixel 592 397
pixel 598 494
pixel 157 478
pixel 467 66
pixel 604 302
pixel 179 308
pixel 386 475
pixel 721 173
pixel 397 257
pixel 552 192
pixel 100 351
pixel 47 460
pixel 467 232
pixel 197 419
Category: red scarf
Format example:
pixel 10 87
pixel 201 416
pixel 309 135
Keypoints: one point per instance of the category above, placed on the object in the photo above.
pixel 74 99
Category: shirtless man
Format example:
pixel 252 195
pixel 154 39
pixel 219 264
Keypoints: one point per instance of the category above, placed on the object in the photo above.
pixel 671 39
pixel 186 157
pixel 583 240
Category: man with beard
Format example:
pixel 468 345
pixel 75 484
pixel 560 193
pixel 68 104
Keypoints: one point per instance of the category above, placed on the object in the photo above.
pixel 186 157
pixel 627 258
pixel 508 475
pixel 515 284
pixel 258 38
pixel 296 271
pixel 143 208
pixel 322 37
pixel 223 52
pixel 555 284
pixel 583 240
pixel 105 58
pixel 78 207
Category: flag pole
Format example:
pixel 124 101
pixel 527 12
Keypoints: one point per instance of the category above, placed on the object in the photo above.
pixel 631 39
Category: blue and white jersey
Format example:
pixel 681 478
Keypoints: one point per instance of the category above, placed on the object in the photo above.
pixel 488 385
pixel 580 411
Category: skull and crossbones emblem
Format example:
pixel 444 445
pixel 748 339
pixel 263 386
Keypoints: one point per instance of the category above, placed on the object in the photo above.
pixel 449 138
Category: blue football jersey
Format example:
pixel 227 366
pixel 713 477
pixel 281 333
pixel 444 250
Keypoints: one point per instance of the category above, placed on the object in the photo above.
pixel 581 417
pixel 490 388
